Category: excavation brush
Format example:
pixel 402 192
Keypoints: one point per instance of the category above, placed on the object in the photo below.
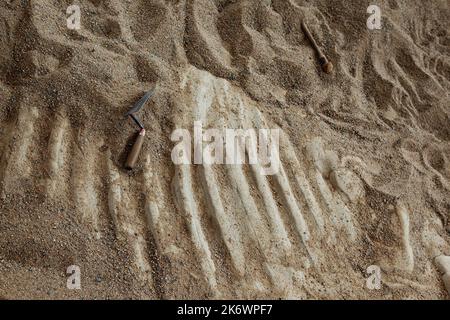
pixel 136 150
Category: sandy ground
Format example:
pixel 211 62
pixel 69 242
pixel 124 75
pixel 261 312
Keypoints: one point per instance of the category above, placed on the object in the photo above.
pixel 365 151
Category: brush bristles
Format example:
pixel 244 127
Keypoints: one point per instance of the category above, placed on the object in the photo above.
pixel 327 67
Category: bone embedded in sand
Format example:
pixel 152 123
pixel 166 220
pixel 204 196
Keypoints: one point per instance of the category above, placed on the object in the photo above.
pixel 57 154
pixel 157 215
pixel 401 257
pixel 443 264
pixel 408 255
pixel 256 229
pixel 141 257
pixel 311 200
pixel 227 225
pixel 153 203
pixel 152 215
pixel 17 163
pixel 276 223
pixel 127 224
pixel 55 143
pixel 325 162
pixel 151 185
pixel 85 187
pixel 341 215
pixel 292 205
pixel 302 183
pixel 348 182
pixel 114 195
pixel 184 196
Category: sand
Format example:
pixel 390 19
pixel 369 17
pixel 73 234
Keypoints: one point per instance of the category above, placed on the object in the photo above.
pixel 365 151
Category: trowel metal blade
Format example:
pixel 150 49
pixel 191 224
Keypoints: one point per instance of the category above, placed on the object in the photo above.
pixel 141 102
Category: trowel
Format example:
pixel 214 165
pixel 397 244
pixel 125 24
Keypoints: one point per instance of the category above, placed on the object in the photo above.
pixel 136 150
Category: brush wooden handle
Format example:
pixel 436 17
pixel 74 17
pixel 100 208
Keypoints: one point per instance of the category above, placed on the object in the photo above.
pixel 326 65
pixel 312 40
pixel 135 151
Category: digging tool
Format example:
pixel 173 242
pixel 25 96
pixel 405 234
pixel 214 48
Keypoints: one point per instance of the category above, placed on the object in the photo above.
pixel 326 65
pixel 136 150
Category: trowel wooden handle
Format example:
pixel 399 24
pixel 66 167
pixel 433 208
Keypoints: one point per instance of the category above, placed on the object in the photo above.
pixel 135 151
